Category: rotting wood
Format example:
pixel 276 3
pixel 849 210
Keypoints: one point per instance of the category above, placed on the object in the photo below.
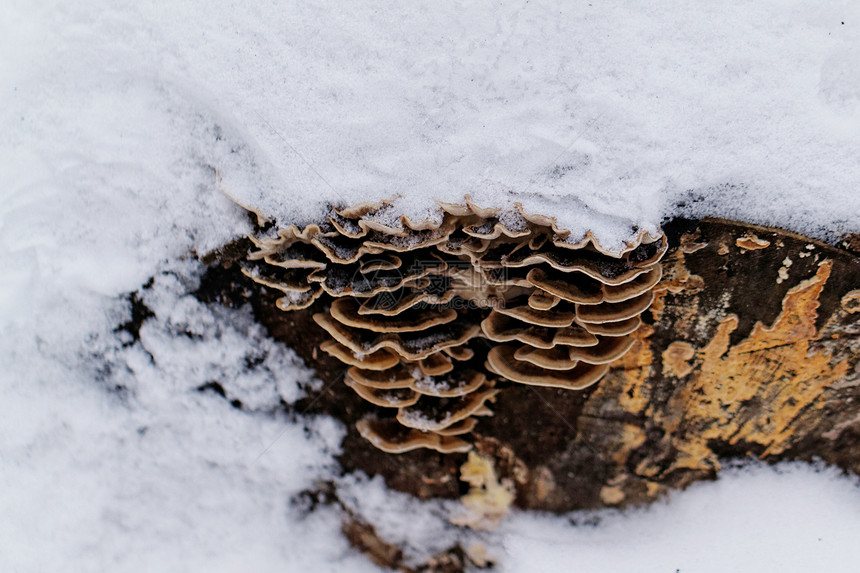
pixel 745 353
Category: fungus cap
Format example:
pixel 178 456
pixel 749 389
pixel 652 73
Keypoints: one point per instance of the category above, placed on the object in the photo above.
pixel 380 360
pixel 579 289
pixel 434 414
pixel 555 358
pixel 501 360
pixel 606 351
pixel 561 307
pixel 452 386
pixel 394 398
pixel 345 311
pixel 459 428
pixel 553 318
pixel 617 328
pixel 615 311
pixel 411 346
pixel 542 300
pixel 394 378
pixel 501 328
pixel 436 364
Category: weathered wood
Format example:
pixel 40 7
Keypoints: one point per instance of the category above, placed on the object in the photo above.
pixel 750 350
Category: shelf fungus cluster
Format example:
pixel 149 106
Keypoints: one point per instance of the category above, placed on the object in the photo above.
pixel 431 318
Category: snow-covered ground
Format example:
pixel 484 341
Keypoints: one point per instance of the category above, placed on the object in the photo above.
pixel 124 125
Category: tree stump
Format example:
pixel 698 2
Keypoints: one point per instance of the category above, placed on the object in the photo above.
pixel 752 349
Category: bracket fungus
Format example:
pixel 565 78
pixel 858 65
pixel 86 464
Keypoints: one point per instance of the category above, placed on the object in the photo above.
pixel 433 318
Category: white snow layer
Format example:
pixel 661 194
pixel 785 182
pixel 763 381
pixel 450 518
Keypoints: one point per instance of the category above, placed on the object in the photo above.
pixel 124 122
pixel 605 115
pixel 792 518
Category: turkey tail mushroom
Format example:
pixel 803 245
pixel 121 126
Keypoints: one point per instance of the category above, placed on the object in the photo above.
pixel 404 302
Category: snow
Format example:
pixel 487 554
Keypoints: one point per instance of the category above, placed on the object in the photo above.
pixel 793 518
pixel 112 459
pixel 125 127
pixel 605 115
pixel 421 529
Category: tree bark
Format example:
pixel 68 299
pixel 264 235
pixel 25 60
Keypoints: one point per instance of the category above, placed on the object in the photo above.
pixel 751 350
